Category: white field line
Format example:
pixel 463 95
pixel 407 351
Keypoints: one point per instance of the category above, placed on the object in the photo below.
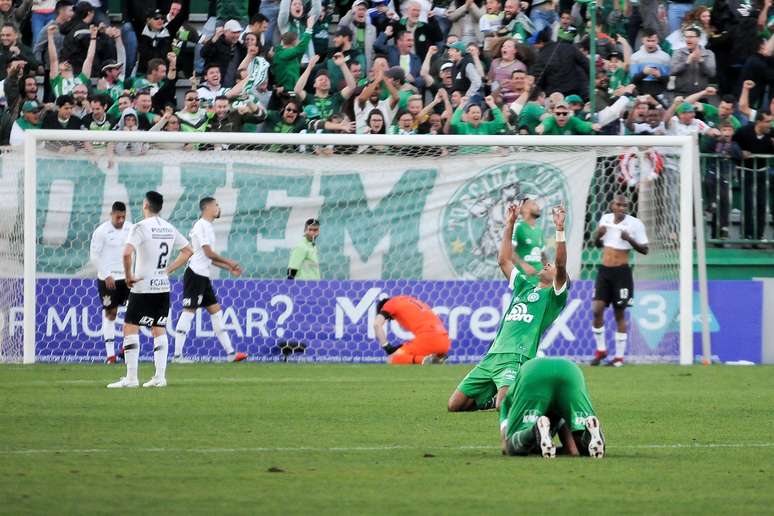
pixel 352 449
pixel 209 381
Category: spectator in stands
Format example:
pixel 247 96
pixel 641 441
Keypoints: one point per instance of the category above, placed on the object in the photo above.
pixel 723 113
pixel 63 13
pixel 77 40
pixel 12 49
pixel 465 76
pixel 43 12
pixel 286 65
pixel 680 120
pixel 294 17
pixel 516 24
pixel 542 15
pixel 143 104
pixel 560 66
pixel 465 16
pixel 326 102
pixel 473 122
pixel 699 20
pixel 112 78
pixel 364 32
pixel 193 118
pixel 61 74
pixel 62 117
pixel 81 106
pixel 759 68
pixel 425 34
pixel 502 69
pixel 287 120
pixel 97 119
pixel 491 21
pixel 220 50
pixel 129 122
pixel 226 120
pixel 369 101
pixel 718 174
pixel 155 40
pixel 31 118
pixel 563 122
pixel 14 15
pixel 401 54
pixel 342 43
pixel 259 26
pixel 756 138
pixel 692 65
pixel 212 87
pixel 650 66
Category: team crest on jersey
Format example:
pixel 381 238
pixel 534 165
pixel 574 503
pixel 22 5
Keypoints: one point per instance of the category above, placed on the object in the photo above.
pixel 472 221
pixel 519 313
pixel 106 300
pixel 532 297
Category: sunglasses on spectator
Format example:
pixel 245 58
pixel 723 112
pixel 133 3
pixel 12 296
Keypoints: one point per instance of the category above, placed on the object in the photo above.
pixel 194 99
pixel 291 110
pixel 561 113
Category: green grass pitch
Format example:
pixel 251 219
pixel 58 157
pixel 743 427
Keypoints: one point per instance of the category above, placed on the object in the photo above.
pixel 369 439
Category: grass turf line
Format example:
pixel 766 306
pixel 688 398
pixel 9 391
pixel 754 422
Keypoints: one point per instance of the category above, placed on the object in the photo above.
pixel 424 460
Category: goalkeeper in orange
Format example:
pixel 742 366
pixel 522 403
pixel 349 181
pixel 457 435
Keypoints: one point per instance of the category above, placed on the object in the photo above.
pixel 431 342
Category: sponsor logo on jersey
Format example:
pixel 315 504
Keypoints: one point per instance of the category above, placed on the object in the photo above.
pixel 532 297
pixel 519 313
pixel 472 221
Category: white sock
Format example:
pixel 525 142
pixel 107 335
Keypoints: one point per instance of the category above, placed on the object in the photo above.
pixel 160 352
pixel 109 334
pixel 183 327
pixel 223 336
pixel 620 344
pixel 132 355
pixel 599 337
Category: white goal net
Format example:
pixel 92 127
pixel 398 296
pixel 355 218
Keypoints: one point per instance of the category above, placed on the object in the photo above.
pixel 398 215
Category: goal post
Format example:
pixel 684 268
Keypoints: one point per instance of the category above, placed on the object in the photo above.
pixel 447 162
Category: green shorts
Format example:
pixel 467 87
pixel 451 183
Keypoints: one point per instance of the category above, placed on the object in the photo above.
pixel 495 371
pixel 547 386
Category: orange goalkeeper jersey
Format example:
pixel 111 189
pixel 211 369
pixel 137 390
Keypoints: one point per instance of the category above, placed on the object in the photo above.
pixel 413 315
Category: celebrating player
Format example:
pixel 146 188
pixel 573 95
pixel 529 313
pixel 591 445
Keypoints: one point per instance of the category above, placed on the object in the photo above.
pixel 617 234
pixel 549 389
pixel 528 239
pixel 431 342
pixel 107 246
pixel 197 287
pixel 151 240
pixel 532 309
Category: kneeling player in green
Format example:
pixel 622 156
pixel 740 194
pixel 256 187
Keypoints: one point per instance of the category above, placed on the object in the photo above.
pixel 550 389
pixel 532 310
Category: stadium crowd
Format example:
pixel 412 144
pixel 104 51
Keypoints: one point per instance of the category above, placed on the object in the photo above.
pixel 402 67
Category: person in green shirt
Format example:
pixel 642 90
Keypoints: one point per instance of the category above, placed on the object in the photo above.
pixel 530 312
pixel 529 242
pixel 326 102
pixel 723 113
pixel 304 263
pixel 550 390
pixel 564 123
pixel 286 64
pixel 475 123
pixel 61 76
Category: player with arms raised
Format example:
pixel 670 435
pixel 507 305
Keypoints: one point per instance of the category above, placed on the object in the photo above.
pixel 151 242
pixel 531 311
pixel 618 233
pixel 197 287
pixel 105 252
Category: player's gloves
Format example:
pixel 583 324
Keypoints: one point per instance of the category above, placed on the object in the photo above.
pixel 390 349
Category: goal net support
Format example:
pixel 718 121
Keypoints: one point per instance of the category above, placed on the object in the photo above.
pixel 416 215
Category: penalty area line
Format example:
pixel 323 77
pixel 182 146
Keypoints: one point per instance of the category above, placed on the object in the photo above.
pixel 354 449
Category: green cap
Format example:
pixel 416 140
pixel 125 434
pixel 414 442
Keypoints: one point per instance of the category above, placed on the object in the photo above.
pixel 459 45
pixel 31 106
pixel 685 107
pixel 311 111
pixel 573 99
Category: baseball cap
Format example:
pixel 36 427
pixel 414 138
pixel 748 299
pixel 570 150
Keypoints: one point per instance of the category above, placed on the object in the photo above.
pixel 685 107
pixel 562 103
pixel 109 64
pixel 232 26
pixel 312 112
pixel 574 99
pixel 31 106
pixel 446 65
pixel 155 13
pixel 460 46
pixel 344 31
pixel 358 2
pixel 615 54
pixel 396 72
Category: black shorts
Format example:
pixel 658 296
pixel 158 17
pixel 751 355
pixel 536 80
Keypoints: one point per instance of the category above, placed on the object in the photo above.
pixel 147 309
pixel 614 285
pixel 197 290
pixel 113 298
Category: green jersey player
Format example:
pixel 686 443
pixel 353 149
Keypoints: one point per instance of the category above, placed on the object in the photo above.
pixel 528 240
pixel 531 311
pixel 550 389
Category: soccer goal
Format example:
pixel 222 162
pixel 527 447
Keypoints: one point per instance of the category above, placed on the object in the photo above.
pixel 417 215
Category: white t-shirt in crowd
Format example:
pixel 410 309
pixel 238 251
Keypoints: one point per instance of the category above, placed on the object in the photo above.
pixel 361 115
pixel 679 129
pixel 154 241
pixel 612 237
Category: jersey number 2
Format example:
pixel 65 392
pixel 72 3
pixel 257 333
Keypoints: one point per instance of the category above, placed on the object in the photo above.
pixel 163 255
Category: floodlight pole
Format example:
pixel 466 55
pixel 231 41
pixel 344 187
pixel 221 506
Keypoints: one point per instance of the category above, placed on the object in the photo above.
pixel 592 7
